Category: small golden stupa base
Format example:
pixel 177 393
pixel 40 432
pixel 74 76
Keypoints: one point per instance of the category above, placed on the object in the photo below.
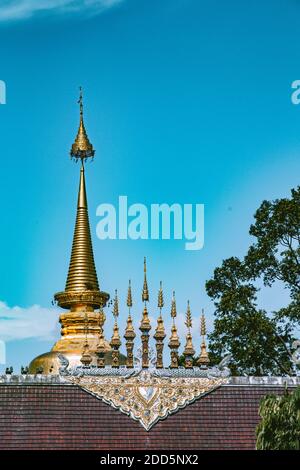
pixel 50 364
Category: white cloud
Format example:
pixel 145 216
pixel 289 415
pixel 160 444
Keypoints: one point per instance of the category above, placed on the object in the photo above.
pixel 23 9
pixel 18 323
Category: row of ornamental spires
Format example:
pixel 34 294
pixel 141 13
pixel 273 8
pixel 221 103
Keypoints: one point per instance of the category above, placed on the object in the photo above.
pixel 145 327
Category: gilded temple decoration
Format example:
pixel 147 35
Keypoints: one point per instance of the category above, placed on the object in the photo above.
pixel 115 341
pixel 129 332
pixel 145 325
pixel 203 358
pixel 82 295
pixel 174 342
pixel 160 333
pixel 189 350
pixel 146 397
pixel 82 148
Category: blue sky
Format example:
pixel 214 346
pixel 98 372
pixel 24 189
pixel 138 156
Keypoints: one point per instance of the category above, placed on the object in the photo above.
pixel 186 101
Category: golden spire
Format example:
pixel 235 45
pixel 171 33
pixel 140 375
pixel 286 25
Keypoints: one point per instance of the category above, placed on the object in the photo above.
pixel 145 325
pixel 116 305
pixel 129 296
pixel 160 333
pixel 188 321
pixel 129 331
pixel 115 342
pixel 174 342
pixel 189 350
pixel 82 148
pixel 160 329
pixel 145 294
pixel 82 294
pixel 82 274
pixel 203 358
pixel 173 307
pixel 82 284
pixel 160 302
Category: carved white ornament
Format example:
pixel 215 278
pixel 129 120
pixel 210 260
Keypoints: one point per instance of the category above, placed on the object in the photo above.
pixel 144 397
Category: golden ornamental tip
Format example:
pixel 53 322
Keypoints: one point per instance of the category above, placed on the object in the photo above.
pixel 173 307
pixel 82 148
pixel 116 305
pixel 188 321
pixel 145 294
pixel 204 357
pixel 129 296
pixel 160 302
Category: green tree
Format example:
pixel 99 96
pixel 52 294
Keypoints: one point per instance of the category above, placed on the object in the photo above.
pixel 275 255
pixel 279 428
pixel 259 341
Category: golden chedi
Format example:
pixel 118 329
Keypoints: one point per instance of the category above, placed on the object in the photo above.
pixel 81 324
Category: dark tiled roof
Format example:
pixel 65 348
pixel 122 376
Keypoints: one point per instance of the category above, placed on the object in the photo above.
pixel 67 417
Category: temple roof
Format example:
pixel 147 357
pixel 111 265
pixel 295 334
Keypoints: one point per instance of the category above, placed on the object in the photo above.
pixel 35 416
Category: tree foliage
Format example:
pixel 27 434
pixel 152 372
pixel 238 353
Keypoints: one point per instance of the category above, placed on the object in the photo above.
pixel 279 428
pixel 259 341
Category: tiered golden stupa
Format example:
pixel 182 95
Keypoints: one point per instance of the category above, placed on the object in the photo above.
pixel 81 325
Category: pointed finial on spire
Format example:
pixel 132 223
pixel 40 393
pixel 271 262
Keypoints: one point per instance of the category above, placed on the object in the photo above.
pixel 145 325
pixel 129 331
pixel 188 321
pixel 174 342
pixel 82 148
pixel 160 302
pixel 80 101
pixel 203 358
pixel 116 305
pixel 82 275
pixel 145 294
pixel 115 341
pixel 129 296
pixel 160 334
pixel 173 307
pixel 189 350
